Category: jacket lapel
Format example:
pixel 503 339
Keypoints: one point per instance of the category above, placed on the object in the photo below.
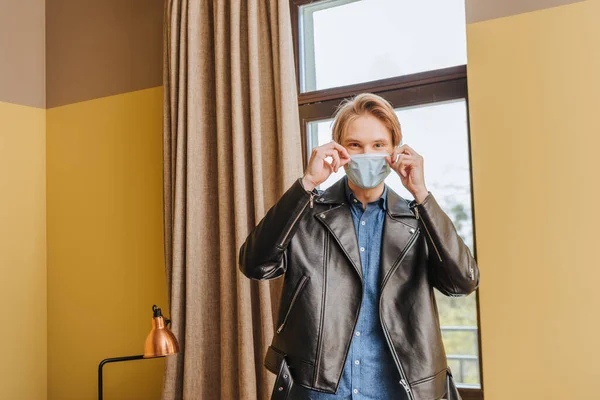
pixel 338 220
pixel 399 227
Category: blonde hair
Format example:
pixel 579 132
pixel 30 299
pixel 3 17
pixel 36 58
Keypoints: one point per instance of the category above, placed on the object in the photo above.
pixel 366 103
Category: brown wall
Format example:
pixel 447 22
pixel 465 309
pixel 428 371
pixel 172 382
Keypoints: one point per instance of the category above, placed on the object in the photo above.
pixel 22 52
pixel 57 52
pixel 102 48
pixel 481 10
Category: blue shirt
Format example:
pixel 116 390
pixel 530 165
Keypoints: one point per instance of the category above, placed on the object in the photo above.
pixel 369 371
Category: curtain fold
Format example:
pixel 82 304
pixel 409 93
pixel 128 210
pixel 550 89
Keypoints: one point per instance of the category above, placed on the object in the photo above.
pixel 232 146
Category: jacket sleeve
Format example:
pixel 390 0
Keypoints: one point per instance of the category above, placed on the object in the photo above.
pixel 453 270
pixel 263 254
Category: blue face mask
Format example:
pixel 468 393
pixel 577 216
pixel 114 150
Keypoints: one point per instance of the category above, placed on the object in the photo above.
pixel 368 170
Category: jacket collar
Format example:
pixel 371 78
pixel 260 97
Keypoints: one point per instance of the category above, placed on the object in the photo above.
pixel 336 195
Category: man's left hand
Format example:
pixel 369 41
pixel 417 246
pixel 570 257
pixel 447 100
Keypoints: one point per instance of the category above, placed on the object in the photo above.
pixel 409 166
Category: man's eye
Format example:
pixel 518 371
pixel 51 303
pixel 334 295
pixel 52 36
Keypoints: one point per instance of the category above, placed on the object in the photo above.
pixel 353 144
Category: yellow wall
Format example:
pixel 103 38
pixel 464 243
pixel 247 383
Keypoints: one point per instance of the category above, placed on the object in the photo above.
pixel 23 252
pixel 105 244
pixel 534 88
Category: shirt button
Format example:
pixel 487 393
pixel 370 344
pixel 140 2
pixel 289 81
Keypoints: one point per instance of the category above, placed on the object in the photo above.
pixel 357 362
pixel 357 333
pixel 356 201
pixel 362 249
pixel 355 391
pixel 362 222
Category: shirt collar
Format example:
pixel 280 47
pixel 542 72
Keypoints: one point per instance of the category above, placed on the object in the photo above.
pixel 382 201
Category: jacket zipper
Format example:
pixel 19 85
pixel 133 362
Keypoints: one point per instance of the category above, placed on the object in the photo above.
pixel 403 380
pixel 406 387
pixel 287 233
pixel 428 234
pixel 294 297
pixel 323 307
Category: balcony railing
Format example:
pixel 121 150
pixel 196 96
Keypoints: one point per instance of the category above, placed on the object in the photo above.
pixel 462 358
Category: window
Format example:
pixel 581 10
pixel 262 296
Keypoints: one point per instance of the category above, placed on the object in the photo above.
pixel 349 41
pixel 413 54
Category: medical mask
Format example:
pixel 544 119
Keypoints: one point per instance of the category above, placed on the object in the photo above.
pixel 368 170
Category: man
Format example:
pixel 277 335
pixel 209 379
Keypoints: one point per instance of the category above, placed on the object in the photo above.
pixel 357 315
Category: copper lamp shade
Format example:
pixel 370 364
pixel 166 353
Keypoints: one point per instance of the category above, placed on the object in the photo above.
pixel 160 341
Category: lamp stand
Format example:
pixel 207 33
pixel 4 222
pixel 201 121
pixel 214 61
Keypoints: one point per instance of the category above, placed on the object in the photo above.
pixel 160 342
pixel 112 360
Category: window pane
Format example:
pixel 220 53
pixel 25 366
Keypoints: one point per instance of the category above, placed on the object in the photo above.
pixel 438 132
pixel 347 41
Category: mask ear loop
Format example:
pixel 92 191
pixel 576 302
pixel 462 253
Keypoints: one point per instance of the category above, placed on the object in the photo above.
pixel 400 145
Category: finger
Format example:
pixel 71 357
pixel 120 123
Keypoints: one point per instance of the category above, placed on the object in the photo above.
pixel 329 168
pixel 396 154
pixel 341 149
pixel 406 157
pixel 395 163
pixel 401 158
pixel 396 160
pixel 336 161
pixel 406 149
pixel 392 158
pixel 409 150
pixel 405 162
pixel 335 158
pixel 408 165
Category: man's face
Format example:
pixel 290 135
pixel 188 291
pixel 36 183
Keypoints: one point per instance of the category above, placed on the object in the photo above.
pixel 367 134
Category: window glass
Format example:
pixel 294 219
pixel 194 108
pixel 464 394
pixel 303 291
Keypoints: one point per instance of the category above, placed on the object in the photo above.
pixel 345 42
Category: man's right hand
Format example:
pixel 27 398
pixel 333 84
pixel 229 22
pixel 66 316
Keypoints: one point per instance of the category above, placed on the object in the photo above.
pixel 318 169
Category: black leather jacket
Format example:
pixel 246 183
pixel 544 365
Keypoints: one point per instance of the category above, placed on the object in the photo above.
pixel 310 239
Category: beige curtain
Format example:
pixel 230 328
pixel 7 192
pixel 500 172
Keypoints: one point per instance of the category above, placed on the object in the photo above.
pixel 231 147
